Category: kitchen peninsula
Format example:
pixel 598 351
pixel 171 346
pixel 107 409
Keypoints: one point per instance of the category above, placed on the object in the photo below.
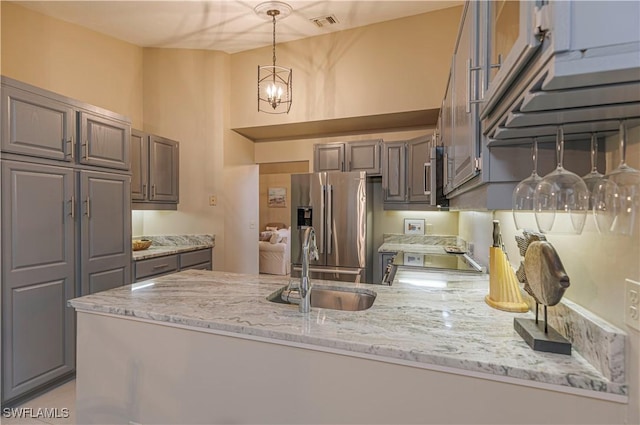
pixel 208 347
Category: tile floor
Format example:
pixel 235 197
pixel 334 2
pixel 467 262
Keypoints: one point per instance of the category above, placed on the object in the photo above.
pixel 59 398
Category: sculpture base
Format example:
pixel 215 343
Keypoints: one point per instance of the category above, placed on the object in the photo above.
pixel 534 335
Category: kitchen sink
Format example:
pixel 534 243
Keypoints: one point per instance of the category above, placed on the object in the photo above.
pixel 347 299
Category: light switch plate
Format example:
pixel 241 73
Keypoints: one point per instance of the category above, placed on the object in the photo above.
pixel 632 304
pixel 213 200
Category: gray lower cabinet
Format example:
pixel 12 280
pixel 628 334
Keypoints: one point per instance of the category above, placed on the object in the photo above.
pixel 160 266
pixel 38 275
pixel 385 259
pixel 106 230
pixel 196 260
pixel 155 267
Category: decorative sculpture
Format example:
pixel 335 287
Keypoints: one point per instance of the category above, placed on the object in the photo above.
pixel 546 281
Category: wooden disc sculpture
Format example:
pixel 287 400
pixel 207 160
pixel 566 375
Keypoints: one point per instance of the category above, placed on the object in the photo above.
pixel 541 271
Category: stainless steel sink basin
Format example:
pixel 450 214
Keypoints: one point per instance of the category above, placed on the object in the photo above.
pixel 348 299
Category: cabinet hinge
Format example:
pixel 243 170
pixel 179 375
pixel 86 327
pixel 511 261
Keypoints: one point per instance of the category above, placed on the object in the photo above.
pixel 542 20
pixel 477 163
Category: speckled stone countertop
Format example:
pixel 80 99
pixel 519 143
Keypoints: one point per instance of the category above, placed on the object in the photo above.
pixel 447 327
pixel 173 244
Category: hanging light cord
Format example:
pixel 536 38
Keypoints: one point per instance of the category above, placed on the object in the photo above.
pixel 273 16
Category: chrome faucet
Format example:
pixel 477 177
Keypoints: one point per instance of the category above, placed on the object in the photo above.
pixel 309 252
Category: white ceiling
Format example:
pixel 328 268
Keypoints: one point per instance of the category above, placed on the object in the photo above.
pixel 225 25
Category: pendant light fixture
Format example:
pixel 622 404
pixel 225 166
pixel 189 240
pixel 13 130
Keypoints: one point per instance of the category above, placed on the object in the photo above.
pixel 274 82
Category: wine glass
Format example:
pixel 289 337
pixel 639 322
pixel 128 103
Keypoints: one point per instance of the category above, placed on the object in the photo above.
pixel 522 198
pixel 561 199
pixel 617 196
pixel 592 179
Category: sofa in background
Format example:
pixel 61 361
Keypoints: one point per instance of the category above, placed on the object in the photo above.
pixel 275 249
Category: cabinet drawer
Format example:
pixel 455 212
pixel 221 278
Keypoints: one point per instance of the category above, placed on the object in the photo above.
pixel 195 257
pixel 201 266
pixel 155 266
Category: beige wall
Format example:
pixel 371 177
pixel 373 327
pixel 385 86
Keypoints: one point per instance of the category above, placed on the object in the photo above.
pixel 186 99
pixel 72 61
pixel 393 66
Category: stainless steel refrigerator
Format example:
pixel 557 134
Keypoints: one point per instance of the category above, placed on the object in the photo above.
pixel 338 206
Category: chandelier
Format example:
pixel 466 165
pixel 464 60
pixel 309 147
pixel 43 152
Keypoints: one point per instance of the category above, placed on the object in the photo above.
pixel 274 82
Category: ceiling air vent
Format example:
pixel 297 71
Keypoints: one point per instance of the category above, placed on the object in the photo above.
pixel 324 21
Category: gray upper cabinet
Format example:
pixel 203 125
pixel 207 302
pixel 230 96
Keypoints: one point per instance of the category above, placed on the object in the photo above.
pixel 463 142
pixel 106 231
pixel 104 142
pixel 394 179
pixel 164 163
pixel 36 125
pixel 38 275
pixel 139 165
pixel 532 66
pixel 155 171
pixel 328 157
pixel 419 171
pixel 408 175
pixel 364 155
pixel 42 124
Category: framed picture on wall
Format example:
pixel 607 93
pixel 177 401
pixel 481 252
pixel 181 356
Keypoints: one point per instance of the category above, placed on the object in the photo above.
pixel 414 226
pixel 277 197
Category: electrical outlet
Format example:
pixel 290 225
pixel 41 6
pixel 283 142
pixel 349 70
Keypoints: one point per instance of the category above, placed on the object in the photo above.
pixel 632 304
pixel 213 200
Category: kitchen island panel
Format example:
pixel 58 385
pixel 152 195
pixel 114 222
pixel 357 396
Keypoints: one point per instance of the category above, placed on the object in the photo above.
pixel 141 371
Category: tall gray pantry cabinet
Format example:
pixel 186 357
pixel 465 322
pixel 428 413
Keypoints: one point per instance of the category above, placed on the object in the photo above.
pixel 66 227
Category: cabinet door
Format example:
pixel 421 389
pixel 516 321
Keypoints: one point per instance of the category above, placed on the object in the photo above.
pixel 328 157
pixel 36 125
pixel 465 130
pixel 163 169
pixel 139 165
pixel 509 41
pixel 364 156
pixel 104 142
pixel 38 275
pixel 106 231
pixel 394 172
pixel 419 173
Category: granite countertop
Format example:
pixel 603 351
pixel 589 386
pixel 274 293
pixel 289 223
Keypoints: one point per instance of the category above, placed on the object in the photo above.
pixel 163 245
pixel 161 251
pixel 411 247
pixel 440 321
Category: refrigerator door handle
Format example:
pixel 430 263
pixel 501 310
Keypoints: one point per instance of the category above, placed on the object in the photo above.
pixel 329 240
pixel 322 219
